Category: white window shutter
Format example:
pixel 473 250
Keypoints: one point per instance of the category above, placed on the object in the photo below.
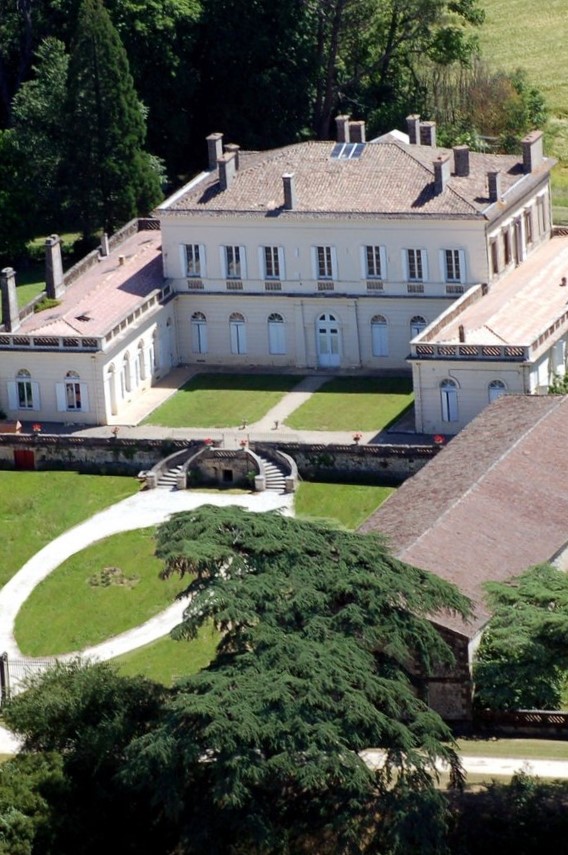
pixel 443 271
pixel 363 261
pixel 261 263
pixel 223 261
pixel 463 277
pixel 334 270
pixel 282 262
pixel 315 262
pixel 84 397
pixel 12 395
pixel 405 265
pixel 182 260
pixel 36 405
pixel 243 257
pixel 424 255
pixel 203 260
pixel 383 257
pixel 60 396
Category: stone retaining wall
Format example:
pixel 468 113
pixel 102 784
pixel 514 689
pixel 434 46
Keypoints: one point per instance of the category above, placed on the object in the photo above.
pixel 383 464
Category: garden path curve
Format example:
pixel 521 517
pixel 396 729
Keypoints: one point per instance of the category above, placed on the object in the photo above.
pixel 144 509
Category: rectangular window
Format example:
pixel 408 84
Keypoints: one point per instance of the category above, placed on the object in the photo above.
pixel 528 228
pixel 73 395
pixel 25 395
pixel 415 265
pixel 506 247
pixel 494 257
pixel 324 262
pixel 192 260
pixel 271 262
pixel 233 267
pixel 373 261
pixel 453 269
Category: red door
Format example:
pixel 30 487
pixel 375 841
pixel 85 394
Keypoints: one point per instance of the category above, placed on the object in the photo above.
pixel 24 459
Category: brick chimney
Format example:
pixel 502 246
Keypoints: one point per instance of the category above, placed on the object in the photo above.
pixel 214 149
pixel 494 186
pixel 342 125
pixel 10 313
pixel 413 129
pixel 441 173
pixel 289 183
pixel 227 169
pixel 54 285
pixel 461 160
pixel 233 148
pixel 532 151
pixel 428 133
pixel 357 132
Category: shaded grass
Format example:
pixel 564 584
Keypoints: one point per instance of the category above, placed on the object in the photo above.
pixel 346 504
pixel 36 507
pixel 354 403
pixel 167 661
pixel 535 749
pixel 94 612
pixel 222 400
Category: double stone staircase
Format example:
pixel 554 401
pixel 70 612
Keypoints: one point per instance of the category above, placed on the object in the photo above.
pixel 274 476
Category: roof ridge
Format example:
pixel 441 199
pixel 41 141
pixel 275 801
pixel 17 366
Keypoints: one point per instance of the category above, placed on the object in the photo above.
pixel 407 150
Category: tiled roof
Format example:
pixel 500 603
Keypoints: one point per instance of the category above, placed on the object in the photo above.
pixel 106 292
pixel 492 503
pixel 519 307
pixel 389 178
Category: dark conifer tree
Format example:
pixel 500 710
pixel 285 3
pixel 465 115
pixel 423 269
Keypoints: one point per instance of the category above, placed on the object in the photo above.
pixel 110 176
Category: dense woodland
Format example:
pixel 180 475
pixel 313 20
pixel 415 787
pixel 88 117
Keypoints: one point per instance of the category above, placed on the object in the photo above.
pixel 103 107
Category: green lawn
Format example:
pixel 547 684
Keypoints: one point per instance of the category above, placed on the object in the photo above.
pixel 346 504
pixel 352 403
pixel 518 33
pixel 107 588
pixel 222 400
pixel 167 661
pixel 36 507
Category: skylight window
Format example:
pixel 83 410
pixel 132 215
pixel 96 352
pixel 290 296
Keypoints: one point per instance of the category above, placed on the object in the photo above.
pixel 347 151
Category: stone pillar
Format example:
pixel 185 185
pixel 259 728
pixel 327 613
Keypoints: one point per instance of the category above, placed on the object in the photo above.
pixel 342 125
pixel 105 248
pixel 53 268
pixel 413 129
pixel 10 311
pixel 441 173
pixel 227 170
pixel 233 148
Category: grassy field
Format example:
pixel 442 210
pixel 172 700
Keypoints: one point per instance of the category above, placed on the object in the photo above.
pixel 515 34
pixel 107 588
pixel 518 33
pixel 36 507
pixel 532 749
pixel 167 661
pixel 354 403
pixel 346 504
pixel 222 400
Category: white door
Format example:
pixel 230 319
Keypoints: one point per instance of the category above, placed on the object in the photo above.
pixel 238 337
pixel 327 340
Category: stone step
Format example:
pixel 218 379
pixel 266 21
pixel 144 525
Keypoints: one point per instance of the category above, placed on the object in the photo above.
pixel 168 480
pixel 274 477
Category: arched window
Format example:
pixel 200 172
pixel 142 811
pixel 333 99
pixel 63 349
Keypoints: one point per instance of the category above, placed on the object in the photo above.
pixel 141 360
pixel 238 333
pixel 417 324
pixel 125 377
pixel 276 334
pixel 72 395
pixel 23 392
pixel 449 400
pixel 380 335
pixel 495 389
pixel 198 333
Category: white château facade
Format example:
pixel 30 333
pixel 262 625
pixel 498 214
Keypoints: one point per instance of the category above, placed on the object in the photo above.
pixel 319 255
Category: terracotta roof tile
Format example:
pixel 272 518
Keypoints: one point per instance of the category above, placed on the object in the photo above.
pixel 492 503
pixel 389 178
